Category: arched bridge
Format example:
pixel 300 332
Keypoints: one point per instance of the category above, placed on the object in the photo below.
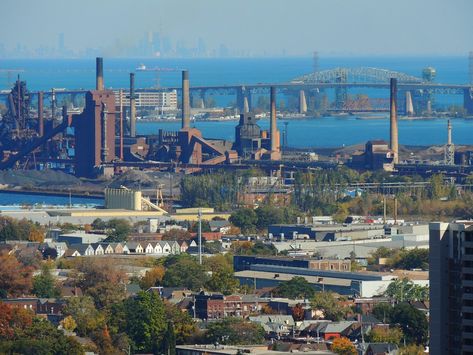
pixel 356 75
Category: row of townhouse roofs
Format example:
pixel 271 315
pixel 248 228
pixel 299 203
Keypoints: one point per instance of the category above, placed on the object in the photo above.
pixel 63 249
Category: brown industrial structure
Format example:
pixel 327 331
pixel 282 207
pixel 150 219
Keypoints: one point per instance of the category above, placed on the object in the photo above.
pixel 394 144
pixel 98 145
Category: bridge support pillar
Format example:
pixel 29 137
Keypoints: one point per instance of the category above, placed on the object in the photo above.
pixel 302 102
pixel 468 101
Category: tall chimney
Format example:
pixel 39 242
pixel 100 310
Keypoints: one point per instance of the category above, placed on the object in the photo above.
pixel 132 106
pixel 121 123
pixel 40 114
pixel 393 120
pixel 273 124
pixel 99 73
pixel 449 136
pixel 104 132
pixel 186 117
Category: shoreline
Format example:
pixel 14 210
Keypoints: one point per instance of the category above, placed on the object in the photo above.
pixel 53 193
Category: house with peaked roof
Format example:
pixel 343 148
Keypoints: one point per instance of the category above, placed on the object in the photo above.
pixel 183 245
pixel 107 248
pixel 98 249
pixel 135 247
pixel 149 249
pixel 158 249
pixel 382 349
pixel 166 248
pixel 175 247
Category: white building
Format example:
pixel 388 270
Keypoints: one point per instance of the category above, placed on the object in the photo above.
pixel 162 100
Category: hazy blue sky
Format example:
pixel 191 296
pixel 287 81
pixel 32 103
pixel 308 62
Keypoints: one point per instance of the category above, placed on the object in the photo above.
pixel 299 27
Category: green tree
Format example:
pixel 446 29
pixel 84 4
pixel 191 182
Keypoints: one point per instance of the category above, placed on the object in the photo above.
pixel 120 229
pixel 223 282
pixel 296 288
pixel 245 219
pixel 412 321
pixel 44 284
pixel 169 340
pixel 99 224
pixel 386 335
pixel 184 326
pixel 411 259
pixel 268 215
pixel 329 305
pixel 412 349
pixel 404 290
pixel 184 271
pixel 145 321
pixel 234 331
pixel 41 338
pixel 82 309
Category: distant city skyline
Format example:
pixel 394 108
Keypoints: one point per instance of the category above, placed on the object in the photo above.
pixel 244 28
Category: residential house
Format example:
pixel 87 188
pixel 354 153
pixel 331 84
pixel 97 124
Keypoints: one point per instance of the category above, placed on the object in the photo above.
pixel 183 245
pixel 166 248
pixel 135 247
pixel 275 325
pixel 220 226
pixel 382 349
pixel 149 249
pixel 107 248
pixel 72 252
pixel 98 249
pixel 158 249
pixel 124 249
pixel 175 247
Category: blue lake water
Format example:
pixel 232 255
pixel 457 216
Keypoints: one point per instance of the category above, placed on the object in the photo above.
pixel 80 73
pixel 20 199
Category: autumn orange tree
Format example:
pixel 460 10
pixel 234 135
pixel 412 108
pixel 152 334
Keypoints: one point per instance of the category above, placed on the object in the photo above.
pixel 152 277
pixel 15 279
pixel 13 319
pixel 343 346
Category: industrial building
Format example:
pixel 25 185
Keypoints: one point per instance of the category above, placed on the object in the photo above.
pixel 363 284
pixel 162 100
pixel 325 232
pixel 451 288
pixel 244 262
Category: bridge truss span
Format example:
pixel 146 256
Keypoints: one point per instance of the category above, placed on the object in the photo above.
pixel 356 75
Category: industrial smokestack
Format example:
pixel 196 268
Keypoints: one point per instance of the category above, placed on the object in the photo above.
pixel 273 124
pixel 132 106
pixel 449 133
pixel 393 120
pixel 104 114
pixel 186 116
pixel 40 114
pixel 121 124
pixel 99 73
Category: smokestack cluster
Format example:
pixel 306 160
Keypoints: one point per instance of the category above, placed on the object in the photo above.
pixel 394 145
pixel 40 114
pixel 273 124
pixel 132 106
pixel 186 115
pixel 99 74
